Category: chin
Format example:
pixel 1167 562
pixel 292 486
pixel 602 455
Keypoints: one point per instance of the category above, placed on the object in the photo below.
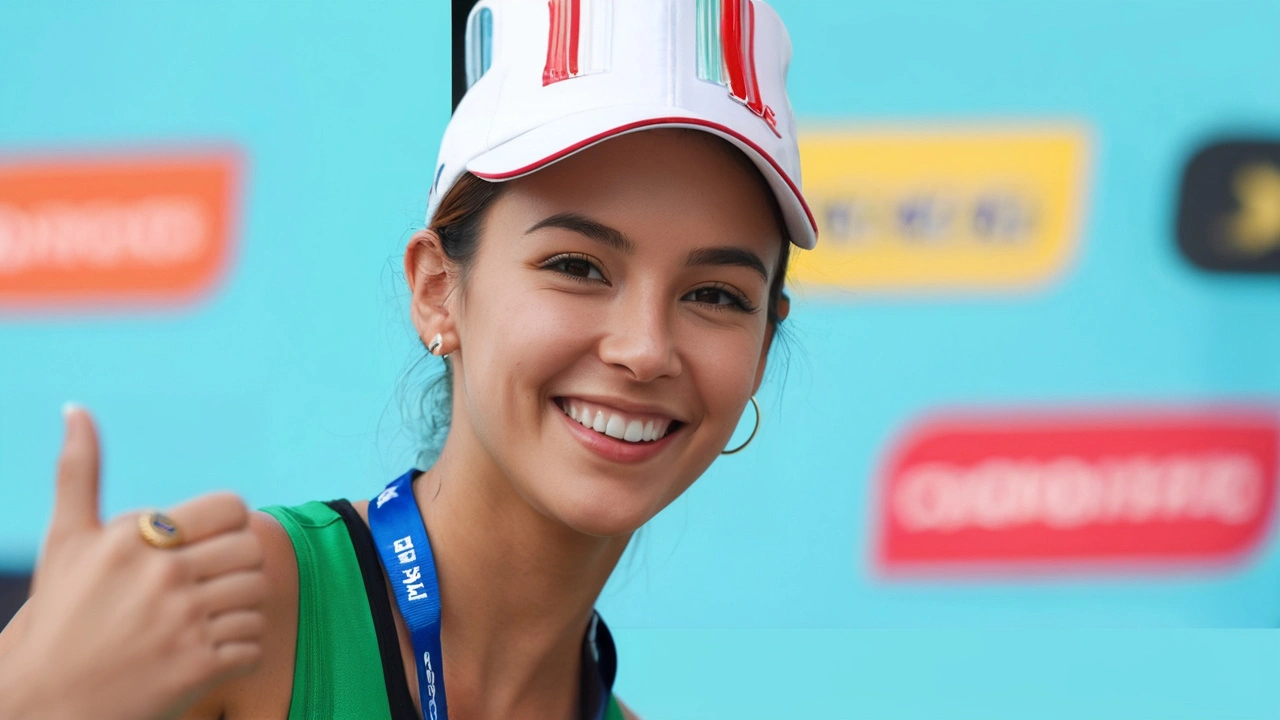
pixel 602 511
pixel 612 526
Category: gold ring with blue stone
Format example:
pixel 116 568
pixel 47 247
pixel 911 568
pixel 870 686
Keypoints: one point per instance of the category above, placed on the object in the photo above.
pixel 159 530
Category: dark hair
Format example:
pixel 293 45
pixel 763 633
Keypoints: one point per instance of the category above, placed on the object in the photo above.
pixel 459 221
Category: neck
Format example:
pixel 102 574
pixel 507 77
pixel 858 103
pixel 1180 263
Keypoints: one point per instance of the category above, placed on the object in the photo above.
pixel 517 590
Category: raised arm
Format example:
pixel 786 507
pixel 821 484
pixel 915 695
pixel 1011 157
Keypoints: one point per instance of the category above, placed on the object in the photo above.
pixel 118 628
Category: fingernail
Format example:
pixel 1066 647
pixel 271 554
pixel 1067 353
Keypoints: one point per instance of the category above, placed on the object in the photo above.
pixel 68 408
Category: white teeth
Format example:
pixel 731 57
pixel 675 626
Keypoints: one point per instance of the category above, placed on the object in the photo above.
pixel 616 425
pixel 635 431
pixel 616 428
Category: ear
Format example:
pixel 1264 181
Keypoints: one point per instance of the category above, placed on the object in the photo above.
pixel 431 281
pixel 784 309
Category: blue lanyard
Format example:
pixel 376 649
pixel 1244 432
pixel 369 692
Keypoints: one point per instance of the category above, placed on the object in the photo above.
pixel 406 556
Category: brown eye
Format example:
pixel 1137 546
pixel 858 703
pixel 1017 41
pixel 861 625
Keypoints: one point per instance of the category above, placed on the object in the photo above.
pixel 720 297
pixel 578 268
pixel 712 296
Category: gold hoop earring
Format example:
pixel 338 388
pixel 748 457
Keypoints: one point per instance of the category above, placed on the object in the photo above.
pixel 755 405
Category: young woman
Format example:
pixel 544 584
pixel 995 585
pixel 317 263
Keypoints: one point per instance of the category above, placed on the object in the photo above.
pixel 603 273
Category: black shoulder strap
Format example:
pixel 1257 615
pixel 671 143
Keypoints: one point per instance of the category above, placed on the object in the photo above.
pixel 606 654
pixel 398 697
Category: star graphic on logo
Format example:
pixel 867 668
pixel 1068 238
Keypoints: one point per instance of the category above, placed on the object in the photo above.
pixel 386 495
pixel 1255 229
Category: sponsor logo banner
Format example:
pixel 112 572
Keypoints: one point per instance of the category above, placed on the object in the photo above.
pixel 151 229
pixel 1042 491
pixel 944 209
pixel 1229 209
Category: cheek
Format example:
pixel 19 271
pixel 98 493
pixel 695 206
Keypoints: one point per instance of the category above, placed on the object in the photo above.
pixel 514 342
pixel 724 368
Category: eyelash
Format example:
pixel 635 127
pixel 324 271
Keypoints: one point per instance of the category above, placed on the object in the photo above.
pixel 554 262
pixel 737 301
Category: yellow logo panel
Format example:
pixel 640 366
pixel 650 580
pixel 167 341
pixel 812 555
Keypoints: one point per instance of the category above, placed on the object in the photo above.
pixel 942 209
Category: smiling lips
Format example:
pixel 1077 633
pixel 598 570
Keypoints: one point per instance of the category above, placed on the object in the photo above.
pixel 614 423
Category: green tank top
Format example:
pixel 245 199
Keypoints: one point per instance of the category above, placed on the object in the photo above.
pixel 339 662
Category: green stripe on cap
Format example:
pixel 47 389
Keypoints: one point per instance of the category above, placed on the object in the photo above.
pixel 710 53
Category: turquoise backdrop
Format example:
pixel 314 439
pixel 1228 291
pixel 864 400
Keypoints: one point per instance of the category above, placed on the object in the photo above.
pixel 754 595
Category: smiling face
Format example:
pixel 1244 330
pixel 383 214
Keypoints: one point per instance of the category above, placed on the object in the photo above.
pixel 612 326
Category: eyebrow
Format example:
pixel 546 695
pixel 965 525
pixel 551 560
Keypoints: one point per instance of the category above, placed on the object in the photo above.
pixel 616 239
pixel 590 228
pixel 733 256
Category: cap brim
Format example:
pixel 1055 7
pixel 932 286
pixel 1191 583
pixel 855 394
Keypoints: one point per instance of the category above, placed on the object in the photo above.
pixel 554 141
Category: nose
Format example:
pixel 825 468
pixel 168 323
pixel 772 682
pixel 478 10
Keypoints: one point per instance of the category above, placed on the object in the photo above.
pixel 639 338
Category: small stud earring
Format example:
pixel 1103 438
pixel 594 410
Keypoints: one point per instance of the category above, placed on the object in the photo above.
pixel 436 342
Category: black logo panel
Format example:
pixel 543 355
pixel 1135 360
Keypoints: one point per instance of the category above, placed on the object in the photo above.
pixel 1229 207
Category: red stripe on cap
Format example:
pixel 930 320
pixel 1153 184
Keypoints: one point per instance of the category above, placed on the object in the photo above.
pixel 575 23
pixel 658 121
pixel 748 42
pixel 754 101
pixel 557 67
pixel 731 45
pixel 738 43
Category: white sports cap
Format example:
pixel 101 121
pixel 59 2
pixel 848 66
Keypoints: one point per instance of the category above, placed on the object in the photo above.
pixel 547 79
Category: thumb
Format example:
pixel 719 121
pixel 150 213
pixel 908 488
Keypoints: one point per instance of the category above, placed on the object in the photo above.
pixel 75 503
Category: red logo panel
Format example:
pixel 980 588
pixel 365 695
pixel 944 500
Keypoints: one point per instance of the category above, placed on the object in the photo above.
pixel 1039 490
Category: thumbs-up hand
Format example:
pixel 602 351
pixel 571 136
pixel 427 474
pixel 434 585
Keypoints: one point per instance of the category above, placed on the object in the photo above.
pixel 117 628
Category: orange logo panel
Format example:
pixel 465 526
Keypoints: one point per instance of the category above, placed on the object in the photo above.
pixel 151 229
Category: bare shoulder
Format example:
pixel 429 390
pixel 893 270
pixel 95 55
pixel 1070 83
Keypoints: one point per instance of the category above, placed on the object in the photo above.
pixel 362 509
pixel 9 633
pixel 265 692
